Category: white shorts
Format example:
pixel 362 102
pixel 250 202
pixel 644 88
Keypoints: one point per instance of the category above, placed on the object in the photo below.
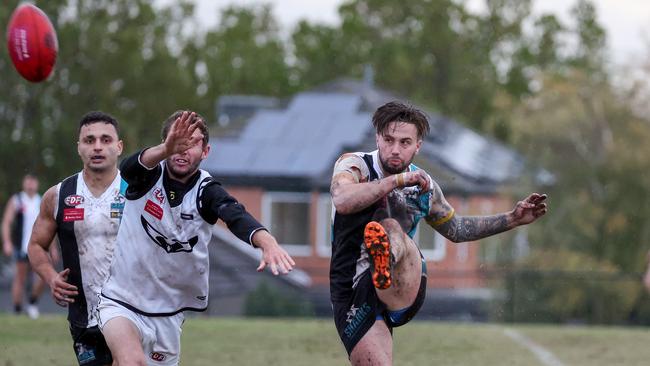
pixel 160 336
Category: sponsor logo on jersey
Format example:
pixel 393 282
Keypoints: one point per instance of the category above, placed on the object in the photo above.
pixel 157 356
pixel 169 245
pixel 119 199
pixel 160 196
pixel 74 200
pixel 155 210
pixel 201 297
pixel 73 214
pixel 185 216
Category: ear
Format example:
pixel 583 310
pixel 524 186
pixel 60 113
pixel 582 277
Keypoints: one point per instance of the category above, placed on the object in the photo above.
pixel 120 147
pixel 417 146
pixel 206 151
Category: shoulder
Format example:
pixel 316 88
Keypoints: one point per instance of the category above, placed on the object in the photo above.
pixel 48 202
pixel 354 164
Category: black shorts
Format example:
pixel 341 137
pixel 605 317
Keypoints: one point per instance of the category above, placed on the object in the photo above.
pixel 355 317
pixel 90 346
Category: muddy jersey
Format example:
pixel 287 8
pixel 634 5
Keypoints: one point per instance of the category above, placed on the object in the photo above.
pixel 408 205
pixel 87 228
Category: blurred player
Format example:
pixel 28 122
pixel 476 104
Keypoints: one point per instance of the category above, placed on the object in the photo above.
pixel 19 216
pixel 84 212
pixel 161 265
pixel 377 273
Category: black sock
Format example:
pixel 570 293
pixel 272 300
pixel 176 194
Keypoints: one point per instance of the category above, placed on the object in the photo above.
pixel 33 300
pixel 18 308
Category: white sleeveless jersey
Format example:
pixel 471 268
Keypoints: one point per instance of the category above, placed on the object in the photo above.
pixel 161 263
pixel 87 229
pixel 29 207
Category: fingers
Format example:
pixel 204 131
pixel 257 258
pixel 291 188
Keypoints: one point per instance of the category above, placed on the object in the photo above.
pixel 280 263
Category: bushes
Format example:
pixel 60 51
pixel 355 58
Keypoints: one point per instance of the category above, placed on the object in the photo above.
pixel 565 286
pixel 269 301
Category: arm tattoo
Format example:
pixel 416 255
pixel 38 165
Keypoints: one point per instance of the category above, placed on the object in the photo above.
pixel 469 228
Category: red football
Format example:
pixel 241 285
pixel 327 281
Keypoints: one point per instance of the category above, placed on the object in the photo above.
pixel 32 43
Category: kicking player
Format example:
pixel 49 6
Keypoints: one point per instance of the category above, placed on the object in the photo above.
pixel 84 212
pixel 377 273
pixel 161 265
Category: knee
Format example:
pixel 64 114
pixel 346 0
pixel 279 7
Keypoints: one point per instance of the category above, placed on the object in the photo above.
pixel 391 225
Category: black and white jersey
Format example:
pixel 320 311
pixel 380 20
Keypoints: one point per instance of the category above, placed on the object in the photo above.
pixel 87 228
pixel 349 258
pixel 27 209
pixel 161 264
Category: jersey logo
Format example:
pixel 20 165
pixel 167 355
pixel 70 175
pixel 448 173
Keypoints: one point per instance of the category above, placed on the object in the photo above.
pixel 155 210
pixel 186 216
pixel 169 245
pixel 157 356
pixel 74 200
pixel 160 196
pixel 73 214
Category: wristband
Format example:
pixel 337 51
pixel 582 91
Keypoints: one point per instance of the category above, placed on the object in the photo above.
pixel 400 179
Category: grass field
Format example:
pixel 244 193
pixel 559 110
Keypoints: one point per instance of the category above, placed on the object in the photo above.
pixel 227 341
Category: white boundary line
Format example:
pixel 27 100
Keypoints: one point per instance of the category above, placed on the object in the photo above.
pixel 545 356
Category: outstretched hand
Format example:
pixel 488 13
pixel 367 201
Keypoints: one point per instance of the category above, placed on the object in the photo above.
pixel 529 209
pixel 273 255
pixel 181 135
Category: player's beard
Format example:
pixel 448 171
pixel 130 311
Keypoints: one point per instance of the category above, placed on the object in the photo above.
pixel 180 175
pixel 393 170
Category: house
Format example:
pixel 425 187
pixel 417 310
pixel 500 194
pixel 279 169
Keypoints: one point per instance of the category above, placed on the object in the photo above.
pixel 276 158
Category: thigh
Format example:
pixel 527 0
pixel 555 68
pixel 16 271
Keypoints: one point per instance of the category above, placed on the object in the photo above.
pixel 165 347
pixel 90 346
pixel 122 330
pixel 406 278
pixel 354 317
pixel 375 348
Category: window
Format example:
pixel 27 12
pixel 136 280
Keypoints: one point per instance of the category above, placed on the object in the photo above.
pixel 431 243
pixel 324 226
pixel 286 215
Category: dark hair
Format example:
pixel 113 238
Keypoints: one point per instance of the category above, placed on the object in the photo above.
pixel 400 112
pixel 97 116
pixel 170 120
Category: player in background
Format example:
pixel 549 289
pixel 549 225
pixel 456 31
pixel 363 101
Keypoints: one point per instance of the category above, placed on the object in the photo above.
pixel 84 212
pixel 17 221
pixel 377 273
pixel 161 265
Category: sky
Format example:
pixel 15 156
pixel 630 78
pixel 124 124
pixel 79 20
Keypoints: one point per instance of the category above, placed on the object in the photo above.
pixel 627 21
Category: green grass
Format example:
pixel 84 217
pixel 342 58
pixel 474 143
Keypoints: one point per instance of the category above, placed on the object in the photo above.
pixel 228 341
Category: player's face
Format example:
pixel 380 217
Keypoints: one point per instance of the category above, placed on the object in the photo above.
pixel 99 146
pixel 182 166
pixel 30 185
pixel 398 146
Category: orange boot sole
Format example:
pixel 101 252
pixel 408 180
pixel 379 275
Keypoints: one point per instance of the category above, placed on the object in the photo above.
pixel 378 247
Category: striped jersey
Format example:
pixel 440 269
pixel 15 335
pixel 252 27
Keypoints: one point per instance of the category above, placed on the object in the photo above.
pixel 87 228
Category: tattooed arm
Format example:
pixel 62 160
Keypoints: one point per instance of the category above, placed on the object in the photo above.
pixel 460 229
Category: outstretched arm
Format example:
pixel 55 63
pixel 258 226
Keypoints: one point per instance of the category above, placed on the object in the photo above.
pixel 42 235
pixel 351 192
pixel 460 229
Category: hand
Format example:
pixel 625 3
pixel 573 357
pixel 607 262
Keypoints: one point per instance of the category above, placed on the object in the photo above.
pixel 273 254
pixel 62 291
pixel 415 178
pixel 181 135
pixel 529 210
